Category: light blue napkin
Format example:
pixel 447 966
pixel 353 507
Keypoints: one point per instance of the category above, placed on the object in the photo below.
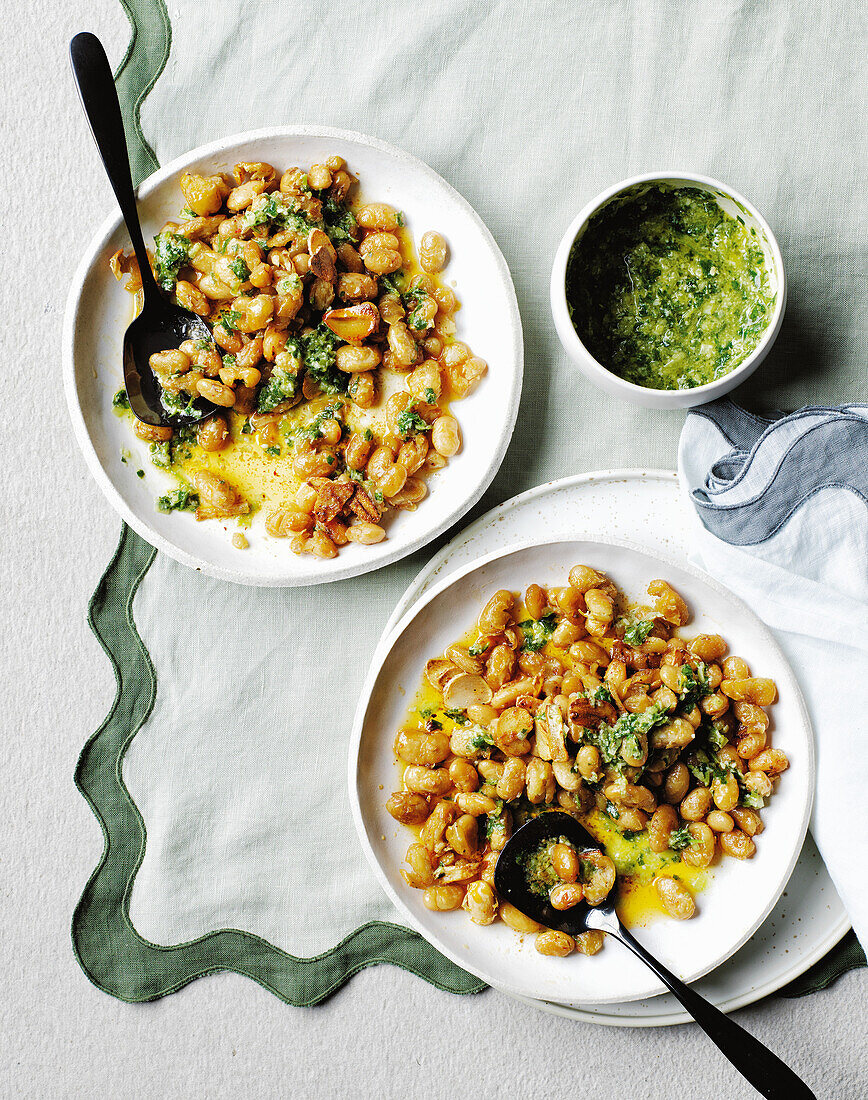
pixel 782 520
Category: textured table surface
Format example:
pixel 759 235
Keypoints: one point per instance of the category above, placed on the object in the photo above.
pixel 386 1034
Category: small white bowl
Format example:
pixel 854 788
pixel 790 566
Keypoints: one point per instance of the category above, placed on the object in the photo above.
pixel 607 380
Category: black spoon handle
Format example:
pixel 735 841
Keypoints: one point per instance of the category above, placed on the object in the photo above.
pixel 765 1071
pixel 96 87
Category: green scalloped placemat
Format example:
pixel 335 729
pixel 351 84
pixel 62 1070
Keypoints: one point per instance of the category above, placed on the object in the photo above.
pixel 109 949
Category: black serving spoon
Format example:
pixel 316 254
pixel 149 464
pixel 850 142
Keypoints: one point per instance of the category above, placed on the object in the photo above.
pixel 765 1071
pixel 161 324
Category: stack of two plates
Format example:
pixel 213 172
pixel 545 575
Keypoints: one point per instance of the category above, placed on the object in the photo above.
pixel 761 922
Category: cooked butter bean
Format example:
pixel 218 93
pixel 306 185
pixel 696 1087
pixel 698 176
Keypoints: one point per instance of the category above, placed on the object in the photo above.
pixel 675 897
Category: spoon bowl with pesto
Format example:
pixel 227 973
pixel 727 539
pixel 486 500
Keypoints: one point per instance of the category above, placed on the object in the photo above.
pixel 668 290
pixel 517 881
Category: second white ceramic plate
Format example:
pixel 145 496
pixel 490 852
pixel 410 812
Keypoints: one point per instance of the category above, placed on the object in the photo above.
pixel 740 894
pixel 645 505
pixel 99 310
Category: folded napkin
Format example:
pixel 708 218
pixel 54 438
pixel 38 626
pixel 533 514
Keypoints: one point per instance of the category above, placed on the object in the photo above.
pixel 782 507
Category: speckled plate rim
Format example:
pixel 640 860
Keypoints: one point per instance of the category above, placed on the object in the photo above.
pixel 395 548
pixel 599 1015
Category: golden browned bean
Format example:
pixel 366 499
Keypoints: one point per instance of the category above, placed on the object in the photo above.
pixel 725 792
pixel 554 943
pixel 424 382
pixel 362 389
pixel 459 657
pixel 481 902
pixel 664 821
pixel 599 605
pixel 707 647
pixel 432 252
pixel 152 433
pixel 204 194
pixel 602 877
pixel 772 761
pixel 463 836
pixel 753 719
pixel 490 770
pixel 540 781
pixel 750 746
pixel 583 578
pixel 216 392
pixel 442 899
pixel 388 475
pixel 674 735
pixel 589 653
pixel 425 780
pixel 377 215
pixel 408 808
pixel 676 783
pixel 356 287
pixel 516 920
pixel 671 676
pixel 737 844
pixel 402 344
pixel 589 943
pixel 475 804
pixel 728 755
pixel 675 897
pixel 464 776
pixel 497 613
pixel 695 805
pixel 759 783
pixel 761 692
pixel 512 779
pixel 715 705
pixel 734 668
pixel 700 851
pixel 481 713
pixel 720 821
pixel 421 867
pixel 364 533
pixel 443 814
pixel 566 895
pixel 565 862
pixel 668 603
pixel 446 436
pixel 373 241
pixel 414 746
pixel 283 522
pixel 630 794
pixel 749 821
pixel 319 177
pixel 173 361
pixel 381 261
pixel 588 762
pixel 191 297
pixel 664 697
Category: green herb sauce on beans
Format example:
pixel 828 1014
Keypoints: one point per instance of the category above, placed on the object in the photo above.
pixel 667 290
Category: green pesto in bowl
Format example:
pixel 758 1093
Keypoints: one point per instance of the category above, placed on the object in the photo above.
pixel 668 290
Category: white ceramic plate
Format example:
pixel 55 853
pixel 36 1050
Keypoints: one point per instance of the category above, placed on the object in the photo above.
pixel 99 310
pixel 646 506
pixel 739 896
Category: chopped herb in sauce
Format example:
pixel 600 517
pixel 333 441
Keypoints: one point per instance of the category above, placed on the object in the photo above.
pixel 178 500
pixel 538 631
pixel 668 290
